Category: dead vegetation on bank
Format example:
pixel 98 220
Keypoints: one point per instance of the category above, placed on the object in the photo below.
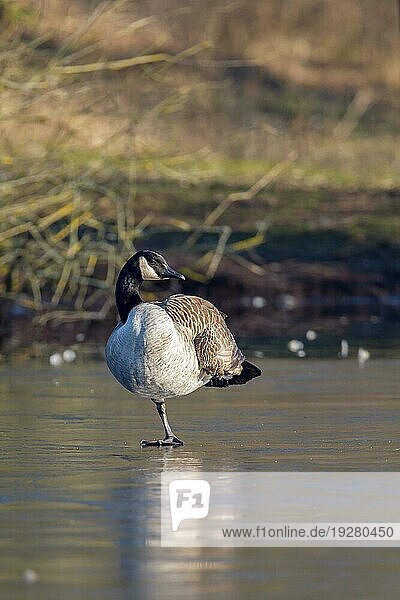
pixel 97 97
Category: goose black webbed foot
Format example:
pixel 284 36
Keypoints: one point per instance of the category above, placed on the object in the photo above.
pixel 167 441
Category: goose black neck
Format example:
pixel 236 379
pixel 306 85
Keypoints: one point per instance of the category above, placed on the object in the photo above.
pixel 127 293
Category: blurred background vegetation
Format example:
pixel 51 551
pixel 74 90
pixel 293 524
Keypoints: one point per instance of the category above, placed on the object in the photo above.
pixel 255 143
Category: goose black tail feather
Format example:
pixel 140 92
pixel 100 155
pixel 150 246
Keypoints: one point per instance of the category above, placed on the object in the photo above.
pixel 249 371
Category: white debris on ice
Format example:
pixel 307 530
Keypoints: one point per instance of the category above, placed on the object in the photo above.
pixel 69 355
pixel 362 356
pixel 295 345
pixel 344 349
pixel 56 359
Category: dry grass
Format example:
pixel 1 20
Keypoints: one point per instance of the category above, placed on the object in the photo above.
pixel 96 97
pixel 322 79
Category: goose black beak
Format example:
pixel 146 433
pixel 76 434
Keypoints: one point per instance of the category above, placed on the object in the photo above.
pixel 172 274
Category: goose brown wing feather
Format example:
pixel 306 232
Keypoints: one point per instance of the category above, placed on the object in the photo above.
pixel 203 323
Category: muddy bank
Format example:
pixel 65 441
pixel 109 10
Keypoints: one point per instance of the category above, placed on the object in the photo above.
pixel 297 286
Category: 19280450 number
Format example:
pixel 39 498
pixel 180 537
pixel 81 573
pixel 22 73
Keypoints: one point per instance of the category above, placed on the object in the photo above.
pixel 361 532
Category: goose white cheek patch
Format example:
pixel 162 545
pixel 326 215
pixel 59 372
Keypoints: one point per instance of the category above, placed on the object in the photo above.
pixel 148 273
pixel 189 499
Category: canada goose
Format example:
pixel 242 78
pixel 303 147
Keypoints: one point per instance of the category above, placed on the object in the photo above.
pixel 169 348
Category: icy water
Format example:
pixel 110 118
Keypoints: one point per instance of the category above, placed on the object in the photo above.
pixel 80 499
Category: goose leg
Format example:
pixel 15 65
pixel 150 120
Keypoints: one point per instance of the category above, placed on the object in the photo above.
pixel 170 439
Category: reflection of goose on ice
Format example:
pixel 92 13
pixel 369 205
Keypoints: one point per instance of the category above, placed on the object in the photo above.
pixel 170 348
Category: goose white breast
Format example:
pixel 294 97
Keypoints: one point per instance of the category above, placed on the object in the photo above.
pixel 161 362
